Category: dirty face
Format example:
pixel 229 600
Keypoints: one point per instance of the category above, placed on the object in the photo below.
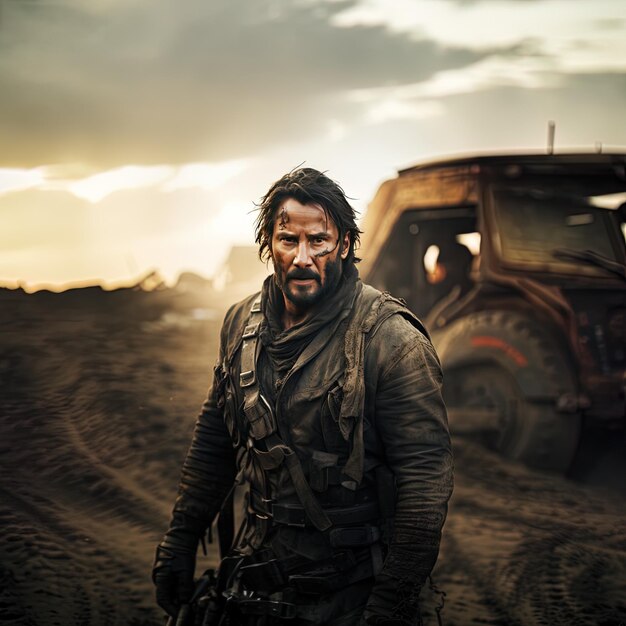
pixel 306 253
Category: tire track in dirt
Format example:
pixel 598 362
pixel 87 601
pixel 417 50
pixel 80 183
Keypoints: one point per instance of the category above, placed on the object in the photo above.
pixel 524 547
pixel 87 479
pixel 72 466
pixel 55 555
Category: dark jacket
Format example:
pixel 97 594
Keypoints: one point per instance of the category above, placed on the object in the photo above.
pixel 368 393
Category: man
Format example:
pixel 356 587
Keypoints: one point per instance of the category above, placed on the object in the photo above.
pixel 326 403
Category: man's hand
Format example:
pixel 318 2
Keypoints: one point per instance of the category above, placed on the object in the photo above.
pixel 392 602
pixel 173 572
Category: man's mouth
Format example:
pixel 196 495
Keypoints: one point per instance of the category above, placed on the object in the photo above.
pixel 302 279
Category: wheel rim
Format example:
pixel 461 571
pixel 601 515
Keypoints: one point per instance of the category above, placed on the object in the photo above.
pixel 493 399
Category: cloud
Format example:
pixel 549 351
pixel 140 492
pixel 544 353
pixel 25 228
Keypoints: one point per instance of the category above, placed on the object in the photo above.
pixel 96 187
pixel 204 175
pixel 427 98
pixel 512 117
pixel 153 82
pixel 12 179
pixel 554 25
pixel 399 108
pixel 55 236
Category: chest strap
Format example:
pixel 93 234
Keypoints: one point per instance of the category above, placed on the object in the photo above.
pixel 255 407
pixel 265 442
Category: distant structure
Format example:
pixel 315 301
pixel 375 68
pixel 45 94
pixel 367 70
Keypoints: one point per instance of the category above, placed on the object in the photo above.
pixel 189 282
pixel 241 271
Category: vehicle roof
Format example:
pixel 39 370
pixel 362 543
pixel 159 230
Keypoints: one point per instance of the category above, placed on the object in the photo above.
pixel 451 182
pixel 521 158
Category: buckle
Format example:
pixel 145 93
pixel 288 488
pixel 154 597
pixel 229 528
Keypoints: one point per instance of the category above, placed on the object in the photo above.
pixel 289 515
pixel 247 378
pixel 250 332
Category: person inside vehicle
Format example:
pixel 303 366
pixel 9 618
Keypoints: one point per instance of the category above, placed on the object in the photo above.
pixel 451 270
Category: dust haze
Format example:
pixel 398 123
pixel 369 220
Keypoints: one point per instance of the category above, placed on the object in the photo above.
pixel 99 396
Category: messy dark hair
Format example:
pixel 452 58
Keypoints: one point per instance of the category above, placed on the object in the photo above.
pixel 307 186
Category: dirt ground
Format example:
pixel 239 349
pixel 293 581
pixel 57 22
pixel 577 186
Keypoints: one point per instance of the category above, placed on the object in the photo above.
pixel 98 396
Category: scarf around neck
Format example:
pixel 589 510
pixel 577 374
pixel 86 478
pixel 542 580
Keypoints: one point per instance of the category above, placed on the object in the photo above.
pixel 285 346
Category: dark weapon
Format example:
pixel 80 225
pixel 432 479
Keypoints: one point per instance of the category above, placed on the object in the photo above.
pixel 204 608
pixel 208 605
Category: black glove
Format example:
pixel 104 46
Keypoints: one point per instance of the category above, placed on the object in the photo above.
pixel 393 602
pixel 175 564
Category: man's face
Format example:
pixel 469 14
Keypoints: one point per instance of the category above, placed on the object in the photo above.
pixel 306 253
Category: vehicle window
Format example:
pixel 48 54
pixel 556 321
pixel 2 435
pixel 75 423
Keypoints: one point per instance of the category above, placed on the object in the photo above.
pixel 427 253
pixel 532 224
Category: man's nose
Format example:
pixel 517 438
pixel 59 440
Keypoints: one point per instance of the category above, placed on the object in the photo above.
pixel 303 255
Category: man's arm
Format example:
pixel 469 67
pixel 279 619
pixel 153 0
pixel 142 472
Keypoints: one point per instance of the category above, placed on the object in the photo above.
pixel 209 468
pixel 412 424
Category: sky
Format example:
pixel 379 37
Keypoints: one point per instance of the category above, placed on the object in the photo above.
pixel 138 134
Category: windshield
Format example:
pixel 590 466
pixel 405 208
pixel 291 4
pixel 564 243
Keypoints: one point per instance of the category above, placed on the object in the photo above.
pixel 535 222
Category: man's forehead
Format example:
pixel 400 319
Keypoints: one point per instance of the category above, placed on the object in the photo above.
pixel 292 212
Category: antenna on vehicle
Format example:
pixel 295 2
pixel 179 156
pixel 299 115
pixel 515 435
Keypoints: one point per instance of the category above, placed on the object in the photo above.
pixel 551 129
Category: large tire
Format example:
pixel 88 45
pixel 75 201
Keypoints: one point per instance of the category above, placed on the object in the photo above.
pixel 508 370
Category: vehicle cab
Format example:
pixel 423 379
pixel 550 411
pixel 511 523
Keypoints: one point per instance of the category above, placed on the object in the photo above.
pixel 517 265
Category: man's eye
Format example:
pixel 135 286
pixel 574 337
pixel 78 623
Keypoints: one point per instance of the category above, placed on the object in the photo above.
pixel 318 241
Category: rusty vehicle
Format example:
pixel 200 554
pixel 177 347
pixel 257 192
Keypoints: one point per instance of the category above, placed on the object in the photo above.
pixel 529 315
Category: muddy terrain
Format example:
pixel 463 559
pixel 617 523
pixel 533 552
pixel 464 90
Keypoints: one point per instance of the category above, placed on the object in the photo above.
pixel 98 396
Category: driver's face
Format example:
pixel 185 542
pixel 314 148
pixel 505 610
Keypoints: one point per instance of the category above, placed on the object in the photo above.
pixel 306 253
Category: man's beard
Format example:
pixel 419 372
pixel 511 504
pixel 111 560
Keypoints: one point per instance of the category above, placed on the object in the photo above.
pixel 303 298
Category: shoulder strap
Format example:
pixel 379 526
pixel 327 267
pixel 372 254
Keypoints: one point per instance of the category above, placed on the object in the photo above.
pixel 262 423
pixel 371 310
pixel 256 409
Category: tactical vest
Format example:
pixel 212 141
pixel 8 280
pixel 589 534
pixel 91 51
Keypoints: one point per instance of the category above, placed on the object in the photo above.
pixel 310 474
